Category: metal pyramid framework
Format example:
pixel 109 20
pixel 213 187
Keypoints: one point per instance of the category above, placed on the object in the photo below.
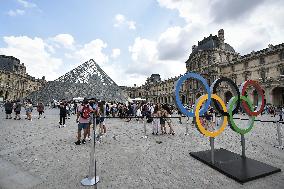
pixel 87 80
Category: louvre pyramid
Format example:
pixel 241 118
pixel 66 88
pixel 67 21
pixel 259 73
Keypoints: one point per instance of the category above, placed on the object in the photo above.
pixel 87 80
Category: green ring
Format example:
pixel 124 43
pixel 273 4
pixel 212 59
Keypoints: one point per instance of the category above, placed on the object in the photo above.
pixel 233 126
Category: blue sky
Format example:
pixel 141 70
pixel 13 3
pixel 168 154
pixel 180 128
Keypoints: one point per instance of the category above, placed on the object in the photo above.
pixel 130 39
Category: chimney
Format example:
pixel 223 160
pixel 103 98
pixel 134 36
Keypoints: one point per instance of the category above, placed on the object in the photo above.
pixel 193 47
pixel 221 38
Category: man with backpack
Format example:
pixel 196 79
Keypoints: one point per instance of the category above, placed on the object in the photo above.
pixel 83 116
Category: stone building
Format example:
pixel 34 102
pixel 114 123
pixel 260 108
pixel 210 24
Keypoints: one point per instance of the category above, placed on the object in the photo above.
pixel 15 83
pixel 213 58
pixel 154 90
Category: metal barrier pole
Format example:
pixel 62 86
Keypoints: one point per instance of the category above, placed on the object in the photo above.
pixel 212 149
pixel 279 136
pixel 92 179
pixel 243 142
pixel 186 128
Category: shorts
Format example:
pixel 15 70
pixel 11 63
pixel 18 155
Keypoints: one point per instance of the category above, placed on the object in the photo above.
pixel 17 112
pixel 8 111
pixel 100 120
pixel 82 126
pixel 40 112
pixel 169 121
pixel 162 121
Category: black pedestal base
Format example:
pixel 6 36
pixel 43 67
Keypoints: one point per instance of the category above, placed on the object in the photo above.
pixel 235 166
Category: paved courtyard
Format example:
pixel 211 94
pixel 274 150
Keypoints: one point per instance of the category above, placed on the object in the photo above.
pixel 39 155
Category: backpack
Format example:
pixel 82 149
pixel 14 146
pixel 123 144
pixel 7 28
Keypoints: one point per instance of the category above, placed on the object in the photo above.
pixel 85 113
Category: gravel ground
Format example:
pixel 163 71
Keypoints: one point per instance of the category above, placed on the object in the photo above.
pixel 43 156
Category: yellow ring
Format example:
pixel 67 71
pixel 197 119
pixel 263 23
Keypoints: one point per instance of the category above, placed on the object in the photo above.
pixel 200 126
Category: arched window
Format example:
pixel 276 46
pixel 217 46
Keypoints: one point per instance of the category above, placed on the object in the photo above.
pixel 261 60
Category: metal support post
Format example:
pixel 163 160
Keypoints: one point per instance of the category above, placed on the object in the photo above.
pixel 243 142
pixel 186 127
pixel 92 178
pixel 212 149
pixel 279 137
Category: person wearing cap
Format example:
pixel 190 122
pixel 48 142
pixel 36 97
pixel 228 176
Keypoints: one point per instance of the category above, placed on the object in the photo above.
pixel 83 119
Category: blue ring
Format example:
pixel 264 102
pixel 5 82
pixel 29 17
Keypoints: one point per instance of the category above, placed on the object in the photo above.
pixel 177 89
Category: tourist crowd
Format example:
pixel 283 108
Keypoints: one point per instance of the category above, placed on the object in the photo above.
pixel 92 112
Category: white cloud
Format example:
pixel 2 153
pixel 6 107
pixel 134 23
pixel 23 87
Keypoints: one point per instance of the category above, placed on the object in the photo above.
pixel 246 26
pixel 121 20
pixel 115 53
pixel 92 50
pixel 32 52
pixel 66 40
pixel 27 4
pixel 17 12
pixel 146 61
pixel 191 11
pixel 131 25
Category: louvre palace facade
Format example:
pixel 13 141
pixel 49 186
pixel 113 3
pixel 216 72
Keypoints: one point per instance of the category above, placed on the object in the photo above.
pixel 213 58
pixel 15 83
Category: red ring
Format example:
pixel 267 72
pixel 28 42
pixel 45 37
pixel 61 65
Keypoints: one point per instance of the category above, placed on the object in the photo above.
pixel 259 92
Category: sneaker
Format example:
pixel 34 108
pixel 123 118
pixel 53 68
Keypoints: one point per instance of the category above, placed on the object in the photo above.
pixel 89 138
pixel 64 125
pixel 83 141
pixel 78 142
pixel 60 126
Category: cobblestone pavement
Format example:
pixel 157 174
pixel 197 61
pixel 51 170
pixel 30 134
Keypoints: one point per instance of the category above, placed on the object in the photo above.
pixel 38 154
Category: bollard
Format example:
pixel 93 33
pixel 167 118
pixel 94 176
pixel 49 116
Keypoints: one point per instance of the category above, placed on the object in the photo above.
pixel 212 149
pixel 280 144
pixel 92 178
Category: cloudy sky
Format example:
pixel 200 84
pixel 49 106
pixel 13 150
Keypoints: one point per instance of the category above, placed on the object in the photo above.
pixel 130 39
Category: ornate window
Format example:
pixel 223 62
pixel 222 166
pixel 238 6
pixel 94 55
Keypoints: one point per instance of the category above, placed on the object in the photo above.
pixel 262 74
pixel 282 71
pixel 281 55
pixel 246 65
pixel 261 60
pixel 228 58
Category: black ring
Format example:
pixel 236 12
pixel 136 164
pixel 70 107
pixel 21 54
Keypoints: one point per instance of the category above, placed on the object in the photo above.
pixel 232 85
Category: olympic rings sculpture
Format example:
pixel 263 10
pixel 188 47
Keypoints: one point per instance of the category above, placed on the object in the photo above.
pixel 227 112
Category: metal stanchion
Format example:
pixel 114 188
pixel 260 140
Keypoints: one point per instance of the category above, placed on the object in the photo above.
pixel 92 178
pixel 280 144
pixel 243 142
pixel 144 123
pixel 212 149
pixel 186 127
